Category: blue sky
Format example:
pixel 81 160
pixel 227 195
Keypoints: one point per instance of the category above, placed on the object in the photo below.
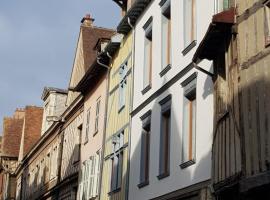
pixel 37 45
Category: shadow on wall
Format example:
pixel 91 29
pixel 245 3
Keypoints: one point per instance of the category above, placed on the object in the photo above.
pixel 178 178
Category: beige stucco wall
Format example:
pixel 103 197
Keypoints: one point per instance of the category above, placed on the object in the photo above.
pixel 94 139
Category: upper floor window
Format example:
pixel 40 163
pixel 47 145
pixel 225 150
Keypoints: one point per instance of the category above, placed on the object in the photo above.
pixel 122 85
pixel 77 148
pixel 89 178
pixel 87 126
pixel 222 5
pixel 117 161
pixel 97 115
pixel 267 23
pixel 165 129
pixel 147 73
pixel 189 123
pixel 145 149
pixel 189 22
pixel 166 33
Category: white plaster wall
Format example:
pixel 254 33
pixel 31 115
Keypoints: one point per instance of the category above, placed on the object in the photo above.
pixel 201 170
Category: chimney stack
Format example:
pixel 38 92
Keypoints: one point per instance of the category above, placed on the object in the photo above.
pixel 87 20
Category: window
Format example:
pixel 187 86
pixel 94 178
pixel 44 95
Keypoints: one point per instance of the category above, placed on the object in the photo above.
pixel 77 148
pixel 87 129
pixel 147 75
pixel 47 168
pixel 122 86
pixel 267 19
pixel 166 33
pixel 145 149
pixel 165 129
pixel 117 161
pixel 89 178
pixel 189 22
pixel 222 5
pixel 54 163
pixel 97 115
pixel 189 123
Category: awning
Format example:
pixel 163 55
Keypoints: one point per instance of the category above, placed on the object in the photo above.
pixel 213 41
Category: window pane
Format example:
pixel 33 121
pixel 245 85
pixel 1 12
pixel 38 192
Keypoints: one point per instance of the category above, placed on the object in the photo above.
pixel 165 37
pixel 189 21
pixel 147 62
pixel 119 172
pixel 185 129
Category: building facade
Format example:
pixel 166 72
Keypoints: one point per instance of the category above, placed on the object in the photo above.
pixel 172 120
pixel 241 78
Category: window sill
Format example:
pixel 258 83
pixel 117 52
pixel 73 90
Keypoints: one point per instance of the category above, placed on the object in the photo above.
pixel 94 134
pixel 146 89
pixel 189 47
pixel 165 70
pixel 163 175
pixel 143 184
pixel 121 108
pixel 187 164
pixel 114 191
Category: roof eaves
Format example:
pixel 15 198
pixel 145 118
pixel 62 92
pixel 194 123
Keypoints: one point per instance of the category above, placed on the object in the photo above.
pixel 133 14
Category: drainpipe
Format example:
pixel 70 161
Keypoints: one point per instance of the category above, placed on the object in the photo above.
pixel 131 107
pixel 105 121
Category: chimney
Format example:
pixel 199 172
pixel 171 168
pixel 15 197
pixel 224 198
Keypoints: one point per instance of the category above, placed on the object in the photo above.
pixel 19 113
pixel 87 20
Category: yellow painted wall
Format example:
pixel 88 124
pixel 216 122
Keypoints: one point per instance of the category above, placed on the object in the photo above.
pixel 117 120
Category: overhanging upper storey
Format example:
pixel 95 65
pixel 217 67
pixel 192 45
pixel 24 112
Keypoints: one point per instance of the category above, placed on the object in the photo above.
pixel 132 16
pixel 213 41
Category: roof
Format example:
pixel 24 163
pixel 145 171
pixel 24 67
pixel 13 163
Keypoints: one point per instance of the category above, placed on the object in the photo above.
pixel 47 90
pixel 213 41
pixel 93 73
pixel 90 37
pixel 133 14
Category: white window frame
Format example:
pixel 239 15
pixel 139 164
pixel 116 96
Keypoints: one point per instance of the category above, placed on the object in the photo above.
pixel 97 115
pixel 122 85
pixel 87 126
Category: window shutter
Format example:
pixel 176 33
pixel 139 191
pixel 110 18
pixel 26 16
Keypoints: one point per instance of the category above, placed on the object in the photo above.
pixel 97 173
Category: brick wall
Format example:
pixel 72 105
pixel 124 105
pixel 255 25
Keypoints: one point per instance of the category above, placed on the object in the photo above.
pixel 12 131
pixel 32 128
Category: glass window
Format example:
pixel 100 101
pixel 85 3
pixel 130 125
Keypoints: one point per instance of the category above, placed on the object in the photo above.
pixel 87 129
pixel 189 122
pixel 122 85
pixel 165 129
pixel 147 75
pixel 189 22
pixel 97 115
pixel 166 34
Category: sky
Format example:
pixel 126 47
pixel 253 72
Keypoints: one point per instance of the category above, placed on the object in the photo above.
pixel 37 45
